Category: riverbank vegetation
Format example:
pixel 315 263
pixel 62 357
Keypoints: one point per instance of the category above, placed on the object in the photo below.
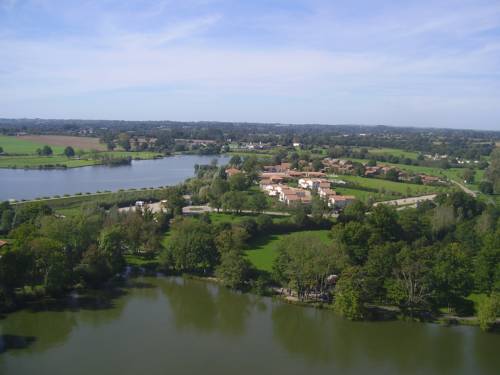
pixel 426 262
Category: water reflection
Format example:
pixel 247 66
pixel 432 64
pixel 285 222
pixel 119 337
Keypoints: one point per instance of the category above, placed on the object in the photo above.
pixel 320 336
pixel 205 307
pixel 191 326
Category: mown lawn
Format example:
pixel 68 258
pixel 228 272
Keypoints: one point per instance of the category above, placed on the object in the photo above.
pixel 263 250
pixel 15 145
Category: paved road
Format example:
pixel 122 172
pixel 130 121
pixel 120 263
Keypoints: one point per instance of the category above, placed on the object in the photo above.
pixel 408 201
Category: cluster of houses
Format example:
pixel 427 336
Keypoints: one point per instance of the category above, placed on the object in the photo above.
pixel 274 177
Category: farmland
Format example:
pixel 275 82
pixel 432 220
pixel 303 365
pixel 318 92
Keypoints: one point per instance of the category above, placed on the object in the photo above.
pixel 61 141
pixel 23 146
pixel 20 152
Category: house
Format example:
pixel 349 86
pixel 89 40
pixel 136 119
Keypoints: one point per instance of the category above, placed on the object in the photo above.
pixel 232 171
pixel 3 243
pixel 340 201
pixel 290 195
pixel 326 193
pixel 313 183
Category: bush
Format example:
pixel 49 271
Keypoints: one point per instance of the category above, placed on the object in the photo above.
pixel 488 310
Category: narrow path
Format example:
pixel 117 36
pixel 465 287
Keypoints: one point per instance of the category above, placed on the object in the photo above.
pixel 465 189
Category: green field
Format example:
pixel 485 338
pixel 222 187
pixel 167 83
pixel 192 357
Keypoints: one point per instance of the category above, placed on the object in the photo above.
pixel 402 188
pixel 393 151
pixel 14 145
pixel 35 161
pixel 39 161
pixel 264 249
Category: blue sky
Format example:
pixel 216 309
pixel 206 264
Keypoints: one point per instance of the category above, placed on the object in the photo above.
pixel 410 63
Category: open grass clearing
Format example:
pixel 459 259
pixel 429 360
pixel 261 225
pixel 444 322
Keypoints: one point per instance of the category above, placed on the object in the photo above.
pixel 263 250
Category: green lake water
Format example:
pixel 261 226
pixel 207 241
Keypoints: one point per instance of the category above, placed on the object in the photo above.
pixel 179 326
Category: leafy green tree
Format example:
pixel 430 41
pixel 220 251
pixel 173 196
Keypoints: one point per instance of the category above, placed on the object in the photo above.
pixel 235 161
pixel 257 202
pixel 392 175
pixel 233 269
pixel 233 201
pixel 411 286
pixel 452 276
pixel 238 182
pixel 487 263
pixel 317 165
pixel 94 268
pixel 469 175
pixel 264 223
pixel 69 152
pixel 348 294
pixel 112 246
pixel 353 212
pixel 378 269
pixel 303 264
pixel 488 310
pixel 384 224
pixel 353 237
pixel 191 247
pixel 51 263
pixel 46 151
pixel 1 150
pixel 486 187
pixel 493 171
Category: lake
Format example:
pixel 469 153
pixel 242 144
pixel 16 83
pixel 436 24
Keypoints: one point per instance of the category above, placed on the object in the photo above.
pixel 29 184
pixel 180 326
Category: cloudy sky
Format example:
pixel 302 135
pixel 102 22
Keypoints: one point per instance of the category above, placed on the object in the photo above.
pixel 412 63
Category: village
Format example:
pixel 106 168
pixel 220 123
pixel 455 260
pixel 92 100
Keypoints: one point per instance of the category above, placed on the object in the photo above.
pixel 292 186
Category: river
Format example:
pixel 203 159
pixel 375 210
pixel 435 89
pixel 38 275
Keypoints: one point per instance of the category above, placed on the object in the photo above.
pixel 180 326
pixel 29 184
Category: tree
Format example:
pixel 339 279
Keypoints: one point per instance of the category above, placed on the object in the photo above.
pixel 218 187
pixel 69 152
pixel 303 264
pixel 452 277
pixel 392 175
pixel 486 187
pixel 487 263
pixel 353 238
pixel 353 212
pixel 348 296
pixel 257 202
pixel 233 269
pixel 238 182
pixel 191 248
pixel 317 165
pixel 469 175
pixel 411 286
pixel 384 224
pixel 124 141
pixel 234 201
pixel 235 161
pixel 1 150
pixel 44 151
pixel 51 264
pixel 488 310
pixel 493 172
pixel 112 246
